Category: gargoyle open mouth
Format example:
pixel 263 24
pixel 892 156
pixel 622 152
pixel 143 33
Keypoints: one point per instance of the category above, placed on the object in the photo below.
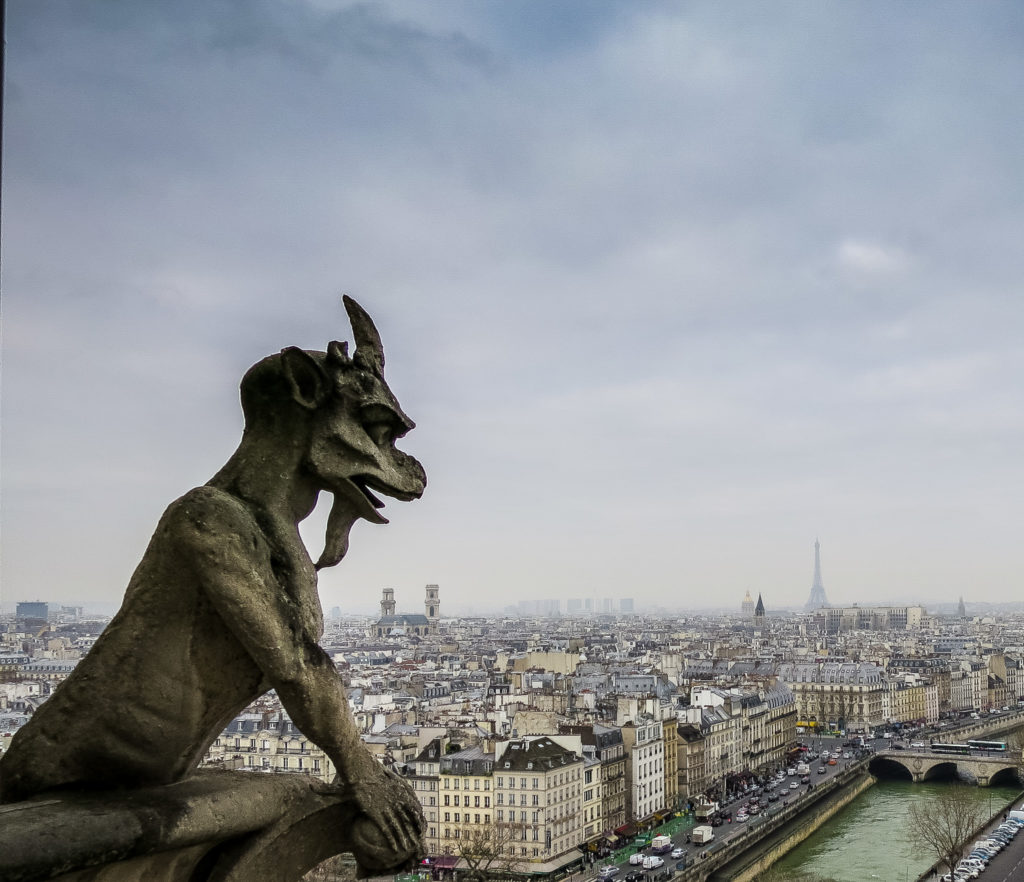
pixel 368 502
pixel 354 499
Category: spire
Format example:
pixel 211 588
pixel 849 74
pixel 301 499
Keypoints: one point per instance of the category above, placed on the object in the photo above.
pixel 817 598
pixel 759 609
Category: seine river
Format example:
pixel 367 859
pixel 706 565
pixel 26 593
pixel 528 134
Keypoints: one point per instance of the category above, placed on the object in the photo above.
pixel 868 839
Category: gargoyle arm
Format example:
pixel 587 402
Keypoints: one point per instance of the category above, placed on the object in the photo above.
pixel 233 566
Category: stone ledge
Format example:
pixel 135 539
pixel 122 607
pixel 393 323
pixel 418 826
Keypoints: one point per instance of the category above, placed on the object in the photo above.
pixel 216 825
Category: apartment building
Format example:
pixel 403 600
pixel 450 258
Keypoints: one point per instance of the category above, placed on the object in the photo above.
pixel 645 767
pixel 846 695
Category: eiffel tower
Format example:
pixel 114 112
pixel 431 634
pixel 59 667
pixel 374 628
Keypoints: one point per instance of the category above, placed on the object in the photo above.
pixel 817 599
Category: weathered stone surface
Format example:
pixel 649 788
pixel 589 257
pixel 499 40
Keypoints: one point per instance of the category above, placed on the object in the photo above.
pixel 212 826
pixel 224 606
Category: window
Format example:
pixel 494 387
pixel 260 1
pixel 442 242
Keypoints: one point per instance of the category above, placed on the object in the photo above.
pixel 458 820
pixel 456 799
pixel 487 802
pixel 447 816
pixel 476 802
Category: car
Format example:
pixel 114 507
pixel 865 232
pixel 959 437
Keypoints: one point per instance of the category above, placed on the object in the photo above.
pixel 793 786
pixel 681 865
pixel 678 852
pixel 637 859
pixel 791 771
pixel 653 862
pixel 755 810
pixel 847 754
pixel 608 871
pixel 635 876
pixel 741 819
pixel 822 770
pixel 970 872
pixel 832 761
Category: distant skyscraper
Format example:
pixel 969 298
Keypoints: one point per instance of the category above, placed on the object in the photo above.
pixel 817 598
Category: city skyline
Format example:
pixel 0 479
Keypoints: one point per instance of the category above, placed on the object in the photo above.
pixel 669 291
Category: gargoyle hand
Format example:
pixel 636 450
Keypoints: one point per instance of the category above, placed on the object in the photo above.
pixel 392 827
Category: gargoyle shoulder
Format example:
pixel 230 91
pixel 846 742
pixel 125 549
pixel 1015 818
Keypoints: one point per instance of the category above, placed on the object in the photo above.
pixel 207 512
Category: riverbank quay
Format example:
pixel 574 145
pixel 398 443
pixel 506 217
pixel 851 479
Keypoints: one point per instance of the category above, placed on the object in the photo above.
pixel 769 838
pixel 939 867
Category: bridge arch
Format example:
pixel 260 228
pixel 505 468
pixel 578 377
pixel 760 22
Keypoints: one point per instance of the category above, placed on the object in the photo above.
pixel 1007 775
pixel 943 771
pixel 886 767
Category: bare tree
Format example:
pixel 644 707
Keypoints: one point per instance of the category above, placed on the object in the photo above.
pixel 489 850
pixel 942 826
pixel 340 868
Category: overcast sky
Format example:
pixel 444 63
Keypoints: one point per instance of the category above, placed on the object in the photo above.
pixel 671 289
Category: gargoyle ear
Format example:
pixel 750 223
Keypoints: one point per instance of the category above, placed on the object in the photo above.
pixel 305 377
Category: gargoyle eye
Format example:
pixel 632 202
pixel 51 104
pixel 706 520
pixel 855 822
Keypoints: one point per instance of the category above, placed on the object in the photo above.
pixel 380 433
pixel 381 423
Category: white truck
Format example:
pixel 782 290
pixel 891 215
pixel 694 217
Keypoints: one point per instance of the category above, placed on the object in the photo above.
pixel 661 844
pixel 803 769
pixel 703 834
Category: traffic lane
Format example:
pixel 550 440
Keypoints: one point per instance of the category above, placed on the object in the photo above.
pixel 730 830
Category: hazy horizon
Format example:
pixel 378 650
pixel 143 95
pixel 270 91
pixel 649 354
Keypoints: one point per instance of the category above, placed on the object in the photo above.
pixel 670 289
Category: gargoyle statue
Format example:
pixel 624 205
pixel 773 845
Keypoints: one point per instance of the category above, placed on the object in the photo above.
pixel 224 605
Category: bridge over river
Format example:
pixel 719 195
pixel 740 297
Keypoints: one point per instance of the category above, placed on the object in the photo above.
pixel 987 767
pixel 924 764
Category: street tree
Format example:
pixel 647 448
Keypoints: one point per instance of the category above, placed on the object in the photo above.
pixel 489 851
pixel 942 826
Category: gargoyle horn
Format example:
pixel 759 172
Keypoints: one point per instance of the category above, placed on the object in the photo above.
pixel 368 343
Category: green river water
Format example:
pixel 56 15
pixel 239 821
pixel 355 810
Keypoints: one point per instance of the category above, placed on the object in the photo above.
pixel 868 839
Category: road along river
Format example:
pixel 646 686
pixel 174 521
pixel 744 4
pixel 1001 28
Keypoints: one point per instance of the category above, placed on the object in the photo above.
pixel 869 839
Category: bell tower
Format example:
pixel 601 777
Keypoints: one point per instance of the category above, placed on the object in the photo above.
pixel 433 605
pixel 387 603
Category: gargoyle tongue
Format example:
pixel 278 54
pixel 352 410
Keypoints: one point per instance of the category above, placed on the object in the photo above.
pixel 346 509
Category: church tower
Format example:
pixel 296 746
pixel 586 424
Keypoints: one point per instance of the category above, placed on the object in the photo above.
pixel 817 600
pixel 433 606
pixel 387 603
pixel 759 613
